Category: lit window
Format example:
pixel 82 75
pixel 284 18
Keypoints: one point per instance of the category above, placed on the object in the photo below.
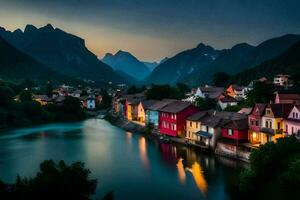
pixel 230 132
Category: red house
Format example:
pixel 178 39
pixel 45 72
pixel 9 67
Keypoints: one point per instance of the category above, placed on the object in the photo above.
pixel 235 130
pixel 172 117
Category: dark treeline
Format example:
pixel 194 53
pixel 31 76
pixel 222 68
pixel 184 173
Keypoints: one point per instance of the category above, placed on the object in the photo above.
pixel 17 107
pixel 274 173
pixel 53 181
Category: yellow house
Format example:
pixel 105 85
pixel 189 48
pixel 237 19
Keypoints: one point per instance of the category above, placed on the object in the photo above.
pixel 272 121
pixel 142 108
pixel 193 126
pixel 132 104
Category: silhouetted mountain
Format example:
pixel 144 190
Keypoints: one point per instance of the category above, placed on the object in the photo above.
pixel 17 66
pixel 183 64
pixel 127 63
pixel 189 66
pixel 60 51
pixel 286 63
pixel 151 65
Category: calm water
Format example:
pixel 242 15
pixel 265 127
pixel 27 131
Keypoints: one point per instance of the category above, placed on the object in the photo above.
pixel 130 165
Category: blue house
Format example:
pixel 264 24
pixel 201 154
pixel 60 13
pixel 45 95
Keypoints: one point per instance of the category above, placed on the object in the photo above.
pixel 152 113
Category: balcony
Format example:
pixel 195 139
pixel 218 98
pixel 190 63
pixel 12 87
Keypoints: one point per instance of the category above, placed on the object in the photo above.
pixel 271 131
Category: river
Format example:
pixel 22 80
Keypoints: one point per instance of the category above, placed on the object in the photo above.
pixel 127 163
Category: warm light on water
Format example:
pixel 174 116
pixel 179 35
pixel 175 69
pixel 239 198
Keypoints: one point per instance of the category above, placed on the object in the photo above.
pixel 129 164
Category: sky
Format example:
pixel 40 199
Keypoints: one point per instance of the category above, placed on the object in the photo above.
pixel 154 29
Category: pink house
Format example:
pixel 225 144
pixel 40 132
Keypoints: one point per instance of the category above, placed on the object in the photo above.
pixel 172 117
pixel 236 130
pixel 292 123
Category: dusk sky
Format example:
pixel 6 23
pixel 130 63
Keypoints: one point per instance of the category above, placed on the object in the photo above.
pixel 155 29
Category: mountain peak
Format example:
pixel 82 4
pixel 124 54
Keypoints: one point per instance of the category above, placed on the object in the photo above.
pixel 48 27
pixel 29 28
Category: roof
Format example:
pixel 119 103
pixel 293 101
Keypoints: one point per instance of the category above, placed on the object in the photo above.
pixel 289 96
pixel 135 98
pixel 227 99
pixel 59 99
pixel 147 103
pixel 160 104
pixel 197 116
pixel 258 109
pixel 240 124
pixel 175 106
pixel 211 121
pixel 281 110
pixel 204 134
pixel 230 115
pixel 237 87
pixel 245 111
pixel 42 97
pixel 211 89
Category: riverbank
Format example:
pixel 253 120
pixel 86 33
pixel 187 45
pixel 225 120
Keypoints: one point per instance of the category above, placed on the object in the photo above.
pixel 221 148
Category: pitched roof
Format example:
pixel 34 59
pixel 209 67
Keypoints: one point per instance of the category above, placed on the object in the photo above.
pixel 211 89
pixel 211 121
pixel 258 109
pixel 240 124
pixel 135 98
pixel 227 99
pixel 160 104
pixel 289 96
pixel 147 103
pixel 245 111
pixel 197 116
pixel 281 110
pixel 175 106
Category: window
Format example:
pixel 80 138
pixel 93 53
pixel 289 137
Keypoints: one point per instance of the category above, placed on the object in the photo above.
pixel 268 111
pixel 278 125
pixel 267 124
pixel 286 128
pixel 191 124
pixel 296 115
pixel 256 123
pixel 292 130
pixel 197 124
pixel 293 114
pixel 230 132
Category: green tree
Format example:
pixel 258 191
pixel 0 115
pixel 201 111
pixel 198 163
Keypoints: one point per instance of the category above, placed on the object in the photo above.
pixel 49 89
pixel 25 96
pixel 261 93
pixel 221 79
pixel 205 103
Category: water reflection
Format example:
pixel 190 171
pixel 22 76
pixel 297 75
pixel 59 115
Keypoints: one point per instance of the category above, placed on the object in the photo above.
pixel 143 151
pixel 199 178
pixel 181 171
pixel 128 137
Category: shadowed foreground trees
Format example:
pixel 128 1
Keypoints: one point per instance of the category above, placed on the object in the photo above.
pixel 274 172
pixel 53 181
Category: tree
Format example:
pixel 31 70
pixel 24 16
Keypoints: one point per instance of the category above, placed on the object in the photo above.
pixel 205 103
pixel 261 93
pixel 49 89
pixel 221 79
pixel 273 173
pixel 106 99
pixel 25 96
pixel 6 95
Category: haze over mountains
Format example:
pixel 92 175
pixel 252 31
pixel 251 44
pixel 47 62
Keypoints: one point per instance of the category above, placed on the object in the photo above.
pixel 50 51
pixel 61 52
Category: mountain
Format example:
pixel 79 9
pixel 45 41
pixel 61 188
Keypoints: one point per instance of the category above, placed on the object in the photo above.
pixel 127 63
pixel 151 65
pixel 183 64
pixel 62 52
pixel 239 58
pixel 286 63
pixel 17 66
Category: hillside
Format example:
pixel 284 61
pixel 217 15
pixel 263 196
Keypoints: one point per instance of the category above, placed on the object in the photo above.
pixel 62 52
pixel 286 63
pixel 127 63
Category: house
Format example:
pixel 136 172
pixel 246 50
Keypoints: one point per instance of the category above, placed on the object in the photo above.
pixel 245 111
pixel 142 108
pixel 255 123
pixel 292 122
pixel 91 102
pixel 152 113
pixel 131 104
pixel 227 101
pixel 282 80
pixel 287 98
pixel 172 117
pixel 42 99
pixel 193 127
pixel 237 92
pixel 272 121
pixel 207 91
pixel 76 93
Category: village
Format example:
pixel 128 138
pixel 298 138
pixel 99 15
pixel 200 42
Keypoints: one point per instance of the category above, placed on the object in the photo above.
pixel 231 134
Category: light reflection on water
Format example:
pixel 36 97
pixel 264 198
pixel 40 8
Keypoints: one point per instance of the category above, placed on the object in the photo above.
pixel 125 162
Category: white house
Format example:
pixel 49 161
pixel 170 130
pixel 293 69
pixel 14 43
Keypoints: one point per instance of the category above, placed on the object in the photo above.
pixel 91 102
pixel 227 101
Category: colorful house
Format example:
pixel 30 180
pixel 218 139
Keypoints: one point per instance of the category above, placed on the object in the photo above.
pixel 255 123
pixel 172 117
pixel 292 122
pixel 193 127
pixel 287 98
pixel 152 113
pixel 237 92
pixel 142 109
pixel 272 120
pixel 131 104
pixel 227 101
